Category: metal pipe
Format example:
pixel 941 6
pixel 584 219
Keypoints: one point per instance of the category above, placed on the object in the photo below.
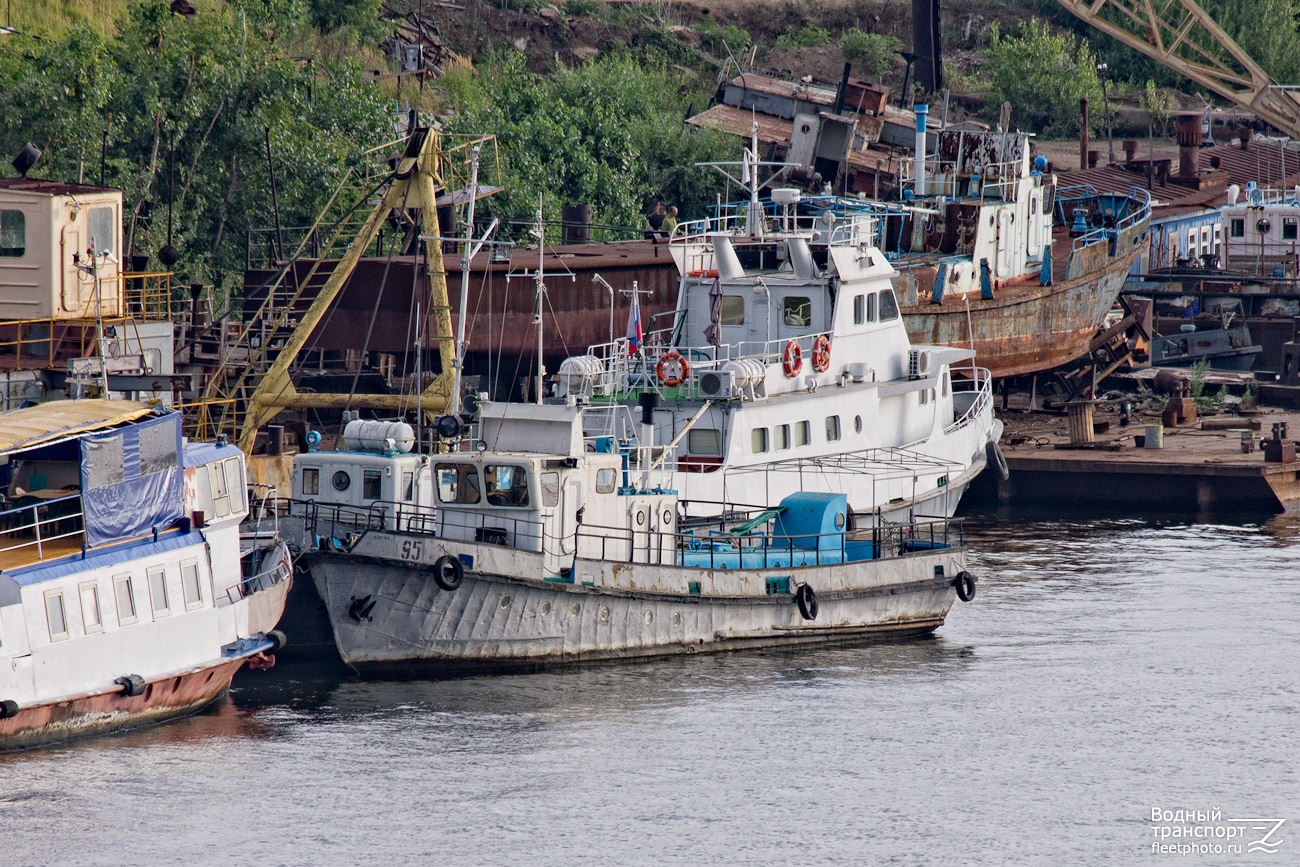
pixel 919 186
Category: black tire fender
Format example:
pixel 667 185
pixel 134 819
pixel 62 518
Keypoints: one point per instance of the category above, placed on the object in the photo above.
pixel 448 572
pixel 965 584
pixel 8 708
pixel 996 460
pixel 132 685
pixel 278 640
pixel 806 599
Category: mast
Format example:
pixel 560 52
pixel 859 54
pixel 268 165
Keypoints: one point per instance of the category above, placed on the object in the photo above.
pixel 541 292
pixel 466 253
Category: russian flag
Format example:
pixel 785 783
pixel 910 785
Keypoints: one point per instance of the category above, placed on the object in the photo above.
pixel 634 333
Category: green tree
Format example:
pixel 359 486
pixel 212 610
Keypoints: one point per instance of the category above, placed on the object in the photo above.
pixel 1043 75
pixel 872 52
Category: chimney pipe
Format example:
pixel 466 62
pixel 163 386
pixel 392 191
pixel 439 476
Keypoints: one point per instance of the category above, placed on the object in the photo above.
pixel 1130 150
pixel 1189 142
pixel 919 174
pixel 844 89
pixel 1083 134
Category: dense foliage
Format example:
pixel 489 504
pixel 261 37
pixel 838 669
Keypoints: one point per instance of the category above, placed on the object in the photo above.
pixel 1043 75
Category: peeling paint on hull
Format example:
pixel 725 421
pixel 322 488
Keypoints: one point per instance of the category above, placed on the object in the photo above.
pixel 98 713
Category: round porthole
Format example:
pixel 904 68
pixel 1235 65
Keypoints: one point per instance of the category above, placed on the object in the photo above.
pixel 1263 226
pixel 640 517
pixel 649 617
pixel 342 480
pixel 574 609
pixel 604 614
pixel 677 620
pixel 505 602
pixel 839 520
pixel 545 608
pixel 668 517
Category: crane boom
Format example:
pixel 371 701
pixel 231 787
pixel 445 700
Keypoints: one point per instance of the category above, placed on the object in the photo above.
pixel 1183 36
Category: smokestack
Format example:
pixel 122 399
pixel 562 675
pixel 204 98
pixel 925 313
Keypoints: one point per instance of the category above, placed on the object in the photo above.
pixel 1189 141
pixel 1083 133
pixel 921 111
pixel 1130 150
pixel 844 88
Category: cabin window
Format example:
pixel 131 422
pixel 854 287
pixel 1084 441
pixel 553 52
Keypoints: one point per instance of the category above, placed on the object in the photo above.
pixel 506 485
pixel 832 428
pixel 310 481
pixel 1191 243
pixel 550 489
pixel 888 305
pixel 758 440
pixel 124 591
pixel 457 483
pixel 235 484
pixel 158 591
pixel 91 616
pixel 56 615
pixel 408 487
pixel 797 312
pixel 13 234
pixel 704 441
pixel 190 586
pixel 101 230
pixel 605 480
pixel 923 396
pixel 220 492
pixel 859 309
pixel 857 424
pixel 1289 229
pixel 781 437
pixel 372 484
pixel 946 382
pixel 1237 227
pixel 802 433
pixel 733 310
pixel 342 480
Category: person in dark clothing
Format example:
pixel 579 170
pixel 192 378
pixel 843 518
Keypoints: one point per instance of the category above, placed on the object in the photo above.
pixel 655 219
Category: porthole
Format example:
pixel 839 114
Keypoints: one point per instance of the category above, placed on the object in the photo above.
pixel 640 517
pixel 668 516
pixel 342 480
pixel 604 614
pixel 677 620
pixel 649 617
pixel 545 608
pixel 574 609
pixel 505 602
pixel 857 424
pixel 839 520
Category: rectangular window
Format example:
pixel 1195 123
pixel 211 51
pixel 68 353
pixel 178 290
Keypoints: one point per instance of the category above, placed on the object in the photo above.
pixel 457 483
pixel 802 434
pixel 101 224
pixel 1289 229
pixel 190 586
pixel 888 305
pixel 704 441
pixel 13 234
pixel 158 591
pixel 605 479
pixel 220 493
pixel 797 312
pixel 91 616
pixel 859 309
pixel 310 481
pixel 1237 227
pixel 56 615
pixel 733 310
pixel 946 376
pixel 923 396
pixel 550 489
pixel 235 484
pixel 871 308
pixel 832 428
pixel 758 440
pixel 408 487
pixel 505 485
pixel 124 591
pixel 1191 243
pixel 781 437
pixel 372 484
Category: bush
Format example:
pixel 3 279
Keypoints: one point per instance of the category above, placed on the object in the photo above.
pixel 870 52
pixel 1043 75
pixel 808 36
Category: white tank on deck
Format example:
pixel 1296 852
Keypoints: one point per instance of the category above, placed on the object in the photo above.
pixel 365 435
pixel 745 371
pixel 579 369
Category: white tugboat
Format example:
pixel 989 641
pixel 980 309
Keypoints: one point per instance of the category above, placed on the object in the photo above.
pixel 556 552
pixel 126 597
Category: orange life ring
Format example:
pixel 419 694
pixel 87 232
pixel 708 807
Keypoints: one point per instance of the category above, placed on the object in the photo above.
pixel 792 359
pixel 672 369
pixel 701 272
pixel 821 353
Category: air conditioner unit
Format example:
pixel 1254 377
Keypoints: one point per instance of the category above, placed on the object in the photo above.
pixel 719 385
pixel 918 363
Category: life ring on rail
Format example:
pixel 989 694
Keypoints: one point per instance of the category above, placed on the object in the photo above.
pixel 448 572
pixel 965 584
pixel 672 369
pixel 821 353
pixel 806 599
pixel 703 272
pixel 792 359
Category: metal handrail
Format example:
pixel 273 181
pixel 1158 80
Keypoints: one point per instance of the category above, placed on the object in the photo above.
pixel 40 527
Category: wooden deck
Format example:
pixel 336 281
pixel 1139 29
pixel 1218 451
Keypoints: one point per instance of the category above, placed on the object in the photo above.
pixel 17 557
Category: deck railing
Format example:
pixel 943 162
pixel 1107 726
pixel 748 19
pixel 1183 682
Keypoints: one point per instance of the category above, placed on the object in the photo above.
pixel 36 525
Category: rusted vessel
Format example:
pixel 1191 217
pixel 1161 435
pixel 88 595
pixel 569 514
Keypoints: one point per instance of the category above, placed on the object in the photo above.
pixel 127 595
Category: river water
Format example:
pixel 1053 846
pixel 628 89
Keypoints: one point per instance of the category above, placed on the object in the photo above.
pixel 1107 668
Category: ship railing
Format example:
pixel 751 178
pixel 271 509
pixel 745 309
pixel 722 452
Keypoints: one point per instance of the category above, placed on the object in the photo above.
pixel 33 527
pixel 334 522
pixel 995 181
pixel 1118 213
pixel 972 395
pixel 744 541
pixel 261 579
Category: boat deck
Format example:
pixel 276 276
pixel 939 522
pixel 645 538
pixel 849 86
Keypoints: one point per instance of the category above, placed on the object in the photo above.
pixel 16 553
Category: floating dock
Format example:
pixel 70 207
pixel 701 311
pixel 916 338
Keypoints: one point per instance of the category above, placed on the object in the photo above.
pixel 1217 464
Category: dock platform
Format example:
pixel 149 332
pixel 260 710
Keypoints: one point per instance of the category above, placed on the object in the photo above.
pixel 1203 466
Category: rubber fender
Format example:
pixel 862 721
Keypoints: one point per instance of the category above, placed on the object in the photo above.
pixel 8 708
pixel 448 572
pixel 278 640
pixel 132 684
pixel 806 599
pixel 965 584
pixel 996 459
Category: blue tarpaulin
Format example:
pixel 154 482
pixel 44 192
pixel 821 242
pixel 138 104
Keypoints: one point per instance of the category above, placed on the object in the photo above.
pixel 131 479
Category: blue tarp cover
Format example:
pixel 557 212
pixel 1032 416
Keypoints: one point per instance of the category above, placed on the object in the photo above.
pixel 131 479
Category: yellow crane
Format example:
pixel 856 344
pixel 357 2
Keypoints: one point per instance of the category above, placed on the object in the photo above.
pixel 415 183
pixel 1183 36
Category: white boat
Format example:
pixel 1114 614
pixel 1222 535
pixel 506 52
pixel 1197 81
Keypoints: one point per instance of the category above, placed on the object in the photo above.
pixel 787 345
pixel 126 596
pixel 504 559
